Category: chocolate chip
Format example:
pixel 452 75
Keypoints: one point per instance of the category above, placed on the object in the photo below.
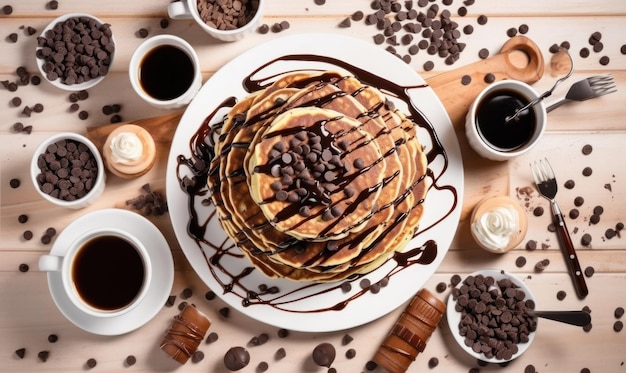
pixel 428 65
pixel 489 78
pixel 357 16
pixel 82 115
pixel 12 37
pixel 130 360
pixel 91 363
pixel 212 337
pixel 569 184
pixel 15 183
pixel 23 267
pixel 142 33
pixel 585 239
pixel 455 280
pixel 43 355
pixel 466 79
pixel 16 101
pixel 197 357
pixel 511 32
pixel 280 354
pixel 589 271
pixel 483 53
pixel 541 265
pixel 604 60
pixel 263 29
pixel 520 261
pixel 619 312
pixel 433 362
pixel 164 23
pixel 561 294
pixel 345 23
pixel 171 300
pixel 441 287
pixel 7 9
pixel 263 366
pixel 573 213
pixel 186 293
pixel 324 354
pixel 236 358
pixel 618 326
pixel 346 287
pixel 209 295
pixel 20 352
pixel 594 219
pixel 27 235
pixel 482 19
pixel 224 311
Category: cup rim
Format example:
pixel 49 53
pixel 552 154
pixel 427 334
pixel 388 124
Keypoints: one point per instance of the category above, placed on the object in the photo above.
pixel 66 271
pixel 148 45
pixel 74 87
pixel 486 149
pixel 98 186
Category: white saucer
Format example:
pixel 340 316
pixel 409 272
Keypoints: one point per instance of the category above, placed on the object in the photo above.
pixel 159 254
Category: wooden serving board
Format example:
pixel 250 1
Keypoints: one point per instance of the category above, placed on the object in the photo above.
pixel 519 59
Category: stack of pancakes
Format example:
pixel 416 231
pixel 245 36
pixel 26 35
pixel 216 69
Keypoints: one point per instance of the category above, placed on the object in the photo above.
pixel 318 177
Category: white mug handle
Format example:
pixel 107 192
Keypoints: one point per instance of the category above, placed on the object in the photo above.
pixel 50 263
pixel 179 10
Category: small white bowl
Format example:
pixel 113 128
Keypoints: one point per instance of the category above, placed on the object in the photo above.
pixel 98 184
pixel 57 82
pixel 188 9
pixel 454 317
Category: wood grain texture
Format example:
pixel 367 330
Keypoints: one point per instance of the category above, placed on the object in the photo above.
pixel 28 314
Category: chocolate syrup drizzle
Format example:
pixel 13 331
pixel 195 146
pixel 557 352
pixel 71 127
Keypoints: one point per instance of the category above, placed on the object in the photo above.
pixel 202 147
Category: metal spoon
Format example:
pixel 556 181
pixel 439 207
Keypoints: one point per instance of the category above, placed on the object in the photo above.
pixel 578 318
pixel 555 61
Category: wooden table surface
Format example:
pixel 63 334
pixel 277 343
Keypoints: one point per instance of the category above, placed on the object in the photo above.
pixel 28 315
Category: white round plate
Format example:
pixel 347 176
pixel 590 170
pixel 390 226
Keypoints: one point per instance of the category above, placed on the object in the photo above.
pixel 162 264
pixel 454 317
pixel 314 307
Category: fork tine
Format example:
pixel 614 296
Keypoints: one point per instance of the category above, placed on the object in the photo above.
pixel 533 169
pixel 547 169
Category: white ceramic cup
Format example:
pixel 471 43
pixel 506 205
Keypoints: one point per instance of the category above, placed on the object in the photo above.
pixel 99 183
pixel 65 265
pixel 188 9
pixel 483 147
pixel 134 71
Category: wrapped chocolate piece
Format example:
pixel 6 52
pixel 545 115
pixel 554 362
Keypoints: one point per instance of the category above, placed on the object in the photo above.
pixel 185 334
pixel 410 333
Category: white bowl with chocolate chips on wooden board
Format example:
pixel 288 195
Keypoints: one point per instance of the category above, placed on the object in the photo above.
pixel 228 20
pixel 75 51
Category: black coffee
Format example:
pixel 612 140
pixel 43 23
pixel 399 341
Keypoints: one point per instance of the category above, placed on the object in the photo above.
pixel 108 272
pixel 492 125
pixel 166 72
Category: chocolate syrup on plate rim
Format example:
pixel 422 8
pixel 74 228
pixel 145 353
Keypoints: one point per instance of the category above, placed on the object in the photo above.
pixel 218 254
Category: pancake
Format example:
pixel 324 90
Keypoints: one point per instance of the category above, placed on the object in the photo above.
pixel 318 177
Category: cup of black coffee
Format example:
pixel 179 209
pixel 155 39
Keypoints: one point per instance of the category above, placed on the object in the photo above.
pixel 104 272
pixel 165 71
pixel 489 128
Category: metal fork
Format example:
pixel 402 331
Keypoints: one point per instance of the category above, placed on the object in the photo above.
pixel 585 89
pixel 547 186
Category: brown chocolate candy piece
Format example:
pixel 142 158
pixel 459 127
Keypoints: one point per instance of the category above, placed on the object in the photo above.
pixel 236 358
pixel 185 334
pixel 324 354
pixel 410 333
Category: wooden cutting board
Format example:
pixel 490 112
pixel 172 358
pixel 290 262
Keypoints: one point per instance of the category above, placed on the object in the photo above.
pixel 519 59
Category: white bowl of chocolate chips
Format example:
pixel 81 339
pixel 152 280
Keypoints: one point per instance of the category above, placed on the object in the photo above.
pixel 486 315
pixel 75 51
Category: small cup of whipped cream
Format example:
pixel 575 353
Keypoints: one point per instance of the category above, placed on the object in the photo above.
pixel 498 224
pixel 129 151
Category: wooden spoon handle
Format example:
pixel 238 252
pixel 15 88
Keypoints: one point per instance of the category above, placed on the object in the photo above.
pixel 519 59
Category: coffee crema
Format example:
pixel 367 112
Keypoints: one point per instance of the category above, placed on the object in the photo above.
pixel 108 273
pixel 166 72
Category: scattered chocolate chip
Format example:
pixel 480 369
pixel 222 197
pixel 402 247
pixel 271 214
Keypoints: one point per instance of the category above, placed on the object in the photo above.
pixel 346 287
pixel 7 9
pixel 441 287
pixel 541 265
pixel 91 363
pixel 43 355
pixel 619 312
pixel 130 360
pixel 280 354
pixel 16 101
pixel 530 369
pixel 520 261
pixel 282 333
pixel 587 328
pixel 263 29
pixel 511 32
pixel 212 337
pixel 82 115
pixel 164 23
pixel 224 311
pixel 345 23
pixel 433 362
pixel 483 53
pixel 209 295
pixel 428 65
pixel 466 79
pixel 186 293
pixel 604 60
pixel 324 354
pixel 561 294
pixel 27 235
pixel 12 37
pixel 569 184
pixel 482 19
pixel 263 366
pixel 455 280
pixel 574 213
pixel 171 300
pixel 523 28
pixel 489 78
pixel 182 305
pixel 20 352
pixel 236 358
pixel 618 326
pixel 23 267
pixel 15 183
pixel 589 271
pixel 357 16
pixel 587 171
pixel 197 357
pixel 350 353
pixel 585 239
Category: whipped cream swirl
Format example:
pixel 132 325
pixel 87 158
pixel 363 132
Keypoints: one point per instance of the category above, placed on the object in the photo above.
pixel 496 228
pixel 126 147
